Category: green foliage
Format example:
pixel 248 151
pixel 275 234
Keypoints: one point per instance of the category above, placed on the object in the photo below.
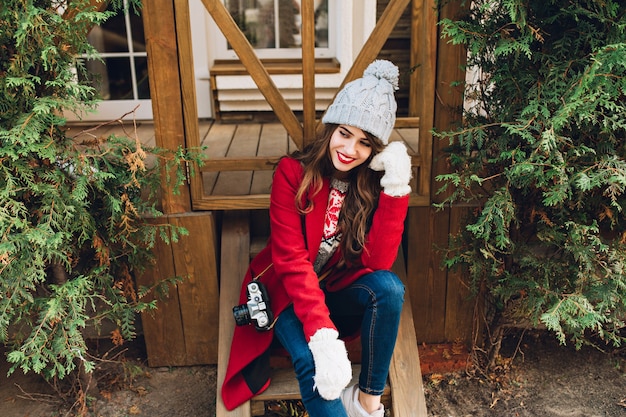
pixel 541 154
pixel 72 228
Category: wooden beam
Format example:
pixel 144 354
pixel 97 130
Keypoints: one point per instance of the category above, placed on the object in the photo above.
pixel 235 245
pixel 182 331
pixel 308 70
pixel 195 257
pixel 165 91
pixel 188 85
pixel 422 86
pixel 259 74
pixel 163 327
pixel 427 230
pixel 241 163
pixel 234 202
pixel 448 107
pixel 459 311
pixel 405 373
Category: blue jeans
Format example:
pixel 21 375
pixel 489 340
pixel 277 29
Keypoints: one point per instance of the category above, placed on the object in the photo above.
pixel 374 302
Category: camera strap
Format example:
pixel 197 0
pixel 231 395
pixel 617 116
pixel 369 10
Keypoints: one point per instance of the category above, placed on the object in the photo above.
pixel 260 274
pixel 320 278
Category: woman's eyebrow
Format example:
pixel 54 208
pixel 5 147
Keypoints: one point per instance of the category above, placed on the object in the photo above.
pixel 344 128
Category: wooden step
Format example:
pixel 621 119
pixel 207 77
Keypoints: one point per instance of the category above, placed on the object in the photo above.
pixel 284 386
pixel 404 394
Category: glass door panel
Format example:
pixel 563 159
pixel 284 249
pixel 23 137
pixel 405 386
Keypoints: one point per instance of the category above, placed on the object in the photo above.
pixel 120 76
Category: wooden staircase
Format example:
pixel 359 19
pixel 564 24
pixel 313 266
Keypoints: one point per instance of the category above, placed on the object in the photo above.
pixel 404 395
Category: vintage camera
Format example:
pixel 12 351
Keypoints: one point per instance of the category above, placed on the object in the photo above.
pixel 256 310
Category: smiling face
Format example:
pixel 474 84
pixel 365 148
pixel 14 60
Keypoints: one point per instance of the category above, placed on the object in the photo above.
pixel 349 147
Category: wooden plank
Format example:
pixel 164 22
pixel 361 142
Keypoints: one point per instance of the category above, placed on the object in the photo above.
pixel 449 106
pixel 427 230
pixel 261 163
pixel 416 200
pixel 188 86
pixel 217 142
pixel 167 106
pixel 163 328
pixel 273 141
pixel 262 201
pixel 244 143
pixel 405 374
pixel 308 71
pixel 195 258
pixel 411 121
pixel 243 202
pixel 276 66
pixel 259 74
pixel 459 319
pixel 422 84
pixel 235 242
pixel 284 386
pixel 204 126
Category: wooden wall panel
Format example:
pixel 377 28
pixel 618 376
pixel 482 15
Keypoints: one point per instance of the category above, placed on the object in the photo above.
pixel 163 328
pixel 183 330
pixel 442 310
pixel 165 90
pixel 459 304
pixel 427 281
pixel 195 257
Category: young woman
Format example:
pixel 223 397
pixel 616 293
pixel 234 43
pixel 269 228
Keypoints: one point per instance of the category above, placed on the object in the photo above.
pixel 337 213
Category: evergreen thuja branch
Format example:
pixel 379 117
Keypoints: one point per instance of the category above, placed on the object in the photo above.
pixel 562 226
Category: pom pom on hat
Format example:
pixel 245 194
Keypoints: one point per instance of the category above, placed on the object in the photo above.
pixel 368 102
pixel 383 70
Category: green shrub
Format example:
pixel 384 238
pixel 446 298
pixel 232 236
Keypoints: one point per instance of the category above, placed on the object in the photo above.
pixel 541 156
pixel 72 230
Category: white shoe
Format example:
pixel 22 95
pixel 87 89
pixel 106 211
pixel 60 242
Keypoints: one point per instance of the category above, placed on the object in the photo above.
pixel 350 400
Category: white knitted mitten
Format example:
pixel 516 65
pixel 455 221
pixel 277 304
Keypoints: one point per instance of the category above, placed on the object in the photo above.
pixel 333 371
pixel 396 163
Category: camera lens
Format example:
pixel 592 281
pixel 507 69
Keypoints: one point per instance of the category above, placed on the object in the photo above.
pixel 241 314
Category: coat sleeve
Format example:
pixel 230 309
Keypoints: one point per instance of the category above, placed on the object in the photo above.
pixel 385 234
pixel 292 263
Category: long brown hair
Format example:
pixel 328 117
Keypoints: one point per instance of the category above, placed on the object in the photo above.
pixel 362 196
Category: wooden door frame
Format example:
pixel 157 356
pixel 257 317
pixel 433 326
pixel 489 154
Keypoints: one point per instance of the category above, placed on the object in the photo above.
pixel 168 32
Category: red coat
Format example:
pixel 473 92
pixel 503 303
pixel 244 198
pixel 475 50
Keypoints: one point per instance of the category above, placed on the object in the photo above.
pixel 292 280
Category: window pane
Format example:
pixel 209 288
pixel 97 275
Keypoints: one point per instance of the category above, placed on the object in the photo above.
pixel 136 30
pixel 257 20
pixel 110 36
pixel 141 71
pixel 111 79
pixel 321 25
pixel 289 24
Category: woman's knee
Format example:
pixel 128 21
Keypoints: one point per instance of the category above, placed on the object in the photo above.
pixel 389 287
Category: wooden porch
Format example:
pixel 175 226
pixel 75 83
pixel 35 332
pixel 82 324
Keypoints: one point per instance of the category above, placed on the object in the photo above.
pixel 185 329
pixel 225 207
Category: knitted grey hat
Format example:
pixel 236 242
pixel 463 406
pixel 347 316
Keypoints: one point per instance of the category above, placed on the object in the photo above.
pixel 368 102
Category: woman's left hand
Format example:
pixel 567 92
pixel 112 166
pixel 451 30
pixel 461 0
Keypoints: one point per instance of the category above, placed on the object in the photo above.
pixel 396 163
pixel 333 371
